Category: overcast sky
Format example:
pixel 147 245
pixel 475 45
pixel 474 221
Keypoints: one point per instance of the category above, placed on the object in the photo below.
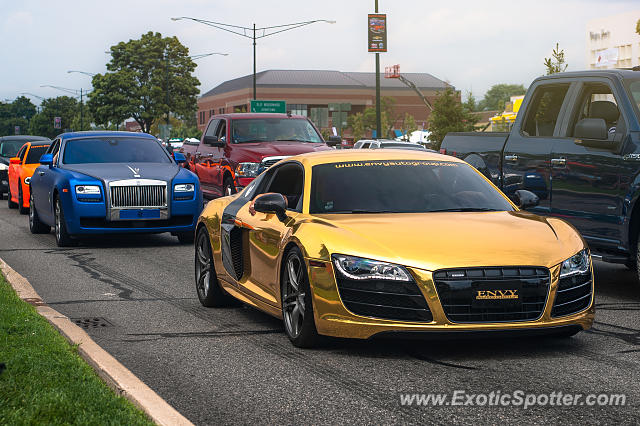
pixel 472 44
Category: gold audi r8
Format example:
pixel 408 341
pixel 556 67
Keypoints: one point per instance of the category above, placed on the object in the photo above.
pixel 363 243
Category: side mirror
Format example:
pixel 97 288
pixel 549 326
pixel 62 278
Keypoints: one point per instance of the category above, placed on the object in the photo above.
pixel 179 157
pixel 14 160
pixel 271 203
pixel 334 140
pixel 46 160
pixel 591 128
pixel 525 199
pixel 213 141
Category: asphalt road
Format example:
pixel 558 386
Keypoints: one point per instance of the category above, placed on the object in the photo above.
pixel 235 365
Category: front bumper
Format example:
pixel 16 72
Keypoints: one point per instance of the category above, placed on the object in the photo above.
pixel 332 318
pixel 4 182
pixel 90 218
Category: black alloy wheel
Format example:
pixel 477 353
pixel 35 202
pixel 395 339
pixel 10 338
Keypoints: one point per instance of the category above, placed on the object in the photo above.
pixel 209 291
pixel 297 307
pixel 35 226
pixel 63 238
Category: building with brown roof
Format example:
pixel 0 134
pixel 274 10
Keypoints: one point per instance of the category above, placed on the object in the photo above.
pixel 309 93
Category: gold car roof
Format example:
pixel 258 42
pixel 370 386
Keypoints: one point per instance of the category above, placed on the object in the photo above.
pixel 322 157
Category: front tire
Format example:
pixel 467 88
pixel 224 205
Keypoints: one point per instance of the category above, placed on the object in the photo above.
pixel 228 188
pixel 63 238
pixel 297 307
pixel 10 203
pixel 185 237
pixel 35 226
pixel 208 288
pixel 21 208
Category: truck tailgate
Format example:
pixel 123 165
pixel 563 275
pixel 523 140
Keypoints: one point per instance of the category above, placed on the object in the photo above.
pixel 483 150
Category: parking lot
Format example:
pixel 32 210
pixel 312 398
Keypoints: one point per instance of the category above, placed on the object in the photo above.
pixel 235 365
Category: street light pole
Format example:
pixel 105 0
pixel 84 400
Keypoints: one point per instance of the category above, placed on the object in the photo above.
pixel 251 33
pixel 378 112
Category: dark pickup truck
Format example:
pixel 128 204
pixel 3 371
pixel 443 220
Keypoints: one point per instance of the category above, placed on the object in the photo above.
pixel 235 148
pixel 575 144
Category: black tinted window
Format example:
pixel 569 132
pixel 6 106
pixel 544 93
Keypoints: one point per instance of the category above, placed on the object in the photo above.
pixel 543 111
pixel 403 186
pixel 10 148
pixel 114 150
pixel 33 157
pixel 274 129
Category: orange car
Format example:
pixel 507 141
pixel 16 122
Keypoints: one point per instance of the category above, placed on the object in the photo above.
pixel 21 169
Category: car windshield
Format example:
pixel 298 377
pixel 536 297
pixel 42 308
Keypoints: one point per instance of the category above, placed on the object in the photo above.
pixel 9 148
pixel 401 186
pixel 274 129
pixel 633 86
pixel 114 150
pixel 35 152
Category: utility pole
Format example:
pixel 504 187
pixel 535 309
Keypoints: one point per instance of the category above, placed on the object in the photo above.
pixel 378 112
pixel 166 58
pixel 81 112
pixel 254 62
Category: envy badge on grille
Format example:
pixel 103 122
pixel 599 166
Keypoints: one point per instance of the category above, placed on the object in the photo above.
pixel 496 294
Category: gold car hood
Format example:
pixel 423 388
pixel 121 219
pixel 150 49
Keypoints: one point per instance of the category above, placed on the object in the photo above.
pixel 434 241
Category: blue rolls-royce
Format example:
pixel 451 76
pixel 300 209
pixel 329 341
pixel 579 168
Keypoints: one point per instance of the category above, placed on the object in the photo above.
pixel 112 182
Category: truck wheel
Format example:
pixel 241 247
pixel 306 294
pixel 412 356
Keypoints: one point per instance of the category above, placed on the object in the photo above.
pixel 228 188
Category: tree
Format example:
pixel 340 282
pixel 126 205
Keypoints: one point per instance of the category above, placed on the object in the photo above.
pixel 17 113
pixel 139 76
pixel 638 26
pixel 408 125
pixel 499 95
pixel 449 115
pixel 356 123
pixel 64 107
pixel 471 103
pixel 556 63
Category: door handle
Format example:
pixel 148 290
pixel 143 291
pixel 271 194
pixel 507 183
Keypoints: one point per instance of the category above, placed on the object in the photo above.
pixel 559 162
pixel 41 173
pixel 209 155
pixel 197 153
pixel 513 158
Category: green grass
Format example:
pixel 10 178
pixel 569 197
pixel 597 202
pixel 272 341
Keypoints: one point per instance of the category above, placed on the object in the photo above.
pixel 46 381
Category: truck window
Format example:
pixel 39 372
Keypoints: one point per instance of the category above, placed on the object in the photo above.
pixel 542 114
pixel 597 101
pixel 221 133
pixel 211 129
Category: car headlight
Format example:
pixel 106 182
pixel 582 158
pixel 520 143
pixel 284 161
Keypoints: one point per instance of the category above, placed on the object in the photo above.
pixel 578 264
pixel 248 169
pixel 184 187
pixel 4 166
pixel 88 190
pixel 358 268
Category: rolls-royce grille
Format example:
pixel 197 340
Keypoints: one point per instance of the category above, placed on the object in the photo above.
pixel 573 295
pixel 394 300
pixel 139 196
pixel 493 294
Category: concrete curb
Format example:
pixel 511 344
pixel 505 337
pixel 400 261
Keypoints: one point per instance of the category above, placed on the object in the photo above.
pixel 116 375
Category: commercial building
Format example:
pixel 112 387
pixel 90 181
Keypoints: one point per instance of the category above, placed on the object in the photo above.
pixel 612 41
pixel 310 93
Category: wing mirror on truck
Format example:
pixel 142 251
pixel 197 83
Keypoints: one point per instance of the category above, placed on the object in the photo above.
pixel 591 128
pixel 525 199
pixel 334 140
pixel 213 141
pixel 271 203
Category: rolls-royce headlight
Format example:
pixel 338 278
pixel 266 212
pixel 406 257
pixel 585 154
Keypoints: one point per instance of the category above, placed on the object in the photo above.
pixel 248 169
pixel 184 187
pixel 88 190
pixel 358 268
pixel 578 264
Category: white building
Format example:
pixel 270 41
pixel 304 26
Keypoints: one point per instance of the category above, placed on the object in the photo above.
pixel 612 41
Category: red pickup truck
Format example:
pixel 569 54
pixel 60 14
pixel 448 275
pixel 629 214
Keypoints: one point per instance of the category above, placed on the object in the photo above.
pixel 235 148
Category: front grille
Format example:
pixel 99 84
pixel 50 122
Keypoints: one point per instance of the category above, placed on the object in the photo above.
pixel 96 222
pixel 270 161
pixel 235 243
pixel 139 196
pixel 394 300
pixel 458 291
pixel 573 295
